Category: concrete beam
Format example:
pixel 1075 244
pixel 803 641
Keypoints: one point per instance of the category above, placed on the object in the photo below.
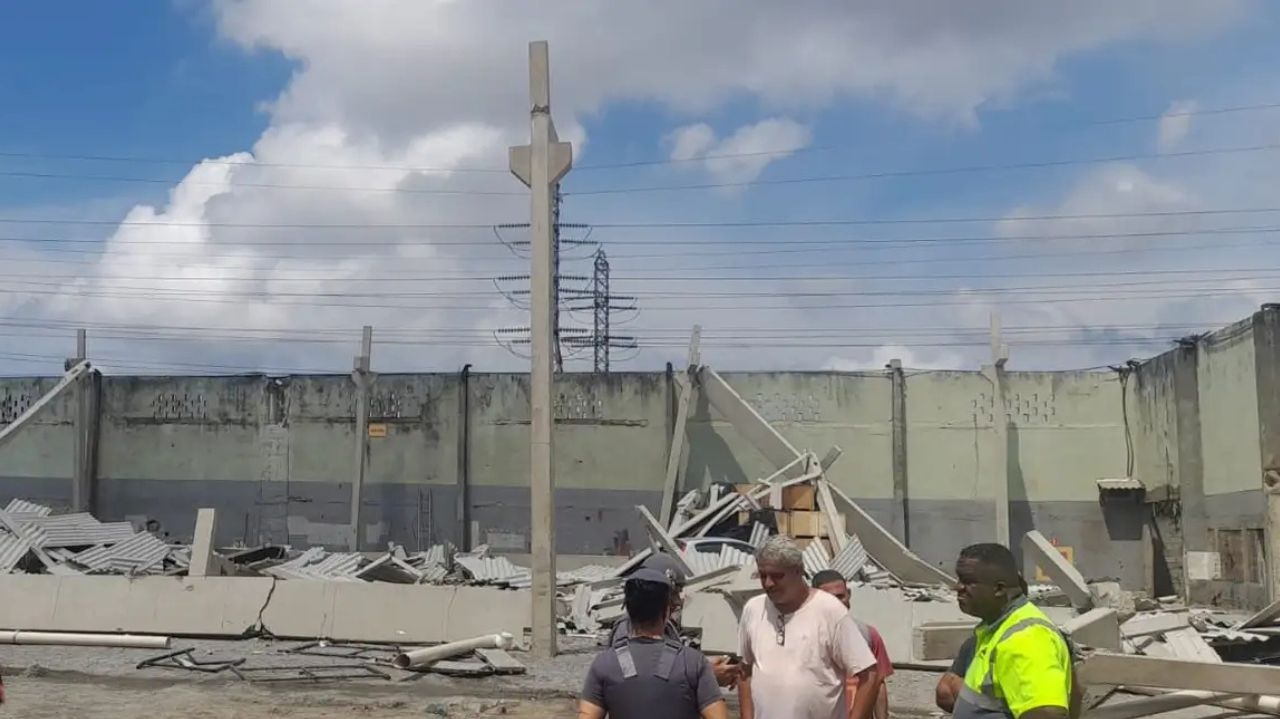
pixel 1125 670
pixel 886 550
pixel 1265 616
pixel 677 456
pixel 664 540
pixel 746 420
pixel 202 557
pixel 838 530
pixel 935 641
pixel 1096 628
pixel 1067 577
pixel 236 606
pixel 71 377
pixel 1140 625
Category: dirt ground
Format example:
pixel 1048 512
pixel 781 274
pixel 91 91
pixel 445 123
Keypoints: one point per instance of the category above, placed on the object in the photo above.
pixel 64 699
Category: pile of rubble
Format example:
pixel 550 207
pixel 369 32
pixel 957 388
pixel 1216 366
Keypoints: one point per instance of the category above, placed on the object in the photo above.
pixel 34 539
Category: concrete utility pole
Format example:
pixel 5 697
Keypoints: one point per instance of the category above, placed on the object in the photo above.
pixel 80 485
pixel 362 377
pixel 1000 424
pixel 540 165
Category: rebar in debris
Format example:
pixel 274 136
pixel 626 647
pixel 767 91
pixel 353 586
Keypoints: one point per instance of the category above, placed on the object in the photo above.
pixel 185 659
pixel 310 673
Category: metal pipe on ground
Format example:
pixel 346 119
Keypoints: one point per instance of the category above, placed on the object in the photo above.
pixel 420 658
pixel 67 639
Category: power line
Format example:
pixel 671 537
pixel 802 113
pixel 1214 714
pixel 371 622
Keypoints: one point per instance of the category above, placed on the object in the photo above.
pixel 190 162
pixel 692 224
pixel 879 175
pixel 888 174
pixel 1235 272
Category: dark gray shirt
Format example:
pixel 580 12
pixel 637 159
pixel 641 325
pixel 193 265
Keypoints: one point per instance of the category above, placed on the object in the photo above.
pixel 690 688
pixel 960 664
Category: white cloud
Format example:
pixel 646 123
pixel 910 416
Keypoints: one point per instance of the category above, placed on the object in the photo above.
pixel 911 359
pixel 386 84
pixel 745 154
pixel 1175 124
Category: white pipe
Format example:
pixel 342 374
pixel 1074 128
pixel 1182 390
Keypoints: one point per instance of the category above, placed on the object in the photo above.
pixel 67 639
pixel 419 658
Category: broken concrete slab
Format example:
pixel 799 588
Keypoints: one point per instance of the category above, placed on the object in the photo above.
pixel 664 540
pixel 501 661
pixel 746 420
pixel 237 606
pixel 1067 577
pixel 885 548
pixel 717 616
pixel 1096 628
pixel 202 558
pixel 1267 615
pixel 1126 670
pixel 1147 624
pixel 1186 643
pixel 935 641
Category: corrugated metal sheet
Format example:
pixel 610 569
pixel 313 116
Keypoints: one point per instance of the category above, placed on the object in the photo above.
pixel 12 550
pixel 22 506
pixel 490 570
pixel 137 554
pixel 759 533
pixel 437 554
pixel 589 573
pixel 850 560
pixel 76 530
pixel 816 558
pixel 434 573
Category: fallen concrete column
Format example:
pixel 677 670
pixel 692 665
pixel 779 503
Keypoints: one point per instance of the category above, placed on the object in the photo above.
pixel 420 658
pixel 885 548
pixel 934 641
pixel 1172 701
pixel 1067 577
pixel 66 639
pixel 1259 703
pixel 1134 671
pixel 1096 628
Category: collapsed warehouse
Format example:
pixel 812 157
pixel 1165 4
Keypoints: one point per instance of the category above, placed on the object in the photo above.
pixel 1132 495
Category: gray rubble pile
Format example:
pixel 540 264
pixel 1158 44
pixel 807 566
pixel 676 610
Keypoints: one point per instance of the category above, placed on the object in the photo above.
pixel 34 539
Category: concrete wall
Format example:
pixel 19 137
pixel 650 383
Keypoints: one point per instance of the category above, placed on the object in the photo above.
pixel 1198 426
pixel 276 456
pixel 1200 440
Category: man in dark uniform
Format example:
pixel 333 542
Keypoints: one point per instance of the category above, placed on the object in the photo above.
pixel 645 673
pixel 726 674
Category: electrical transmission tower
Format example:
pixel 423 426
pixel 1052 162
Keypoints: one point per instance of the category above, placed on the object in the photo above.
pixel 564 338
pixel 602 340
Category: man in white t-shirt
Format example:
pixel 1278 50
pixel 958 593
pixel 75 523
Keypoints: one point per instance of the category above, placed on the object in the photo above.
pixel 799 647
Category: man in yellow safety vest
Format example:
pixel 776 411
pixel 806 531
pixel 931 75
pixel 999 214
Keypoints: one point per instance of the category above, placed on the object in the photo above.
pixel 1021 665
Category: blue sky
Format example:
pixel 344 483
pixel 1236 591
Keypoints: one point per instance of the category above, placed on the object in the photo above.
pixel 334 98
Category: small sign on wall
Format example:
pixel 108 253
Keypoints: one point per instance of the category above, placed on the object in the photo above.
pixel 1067 553
pixel 377 430
pixel 1204 566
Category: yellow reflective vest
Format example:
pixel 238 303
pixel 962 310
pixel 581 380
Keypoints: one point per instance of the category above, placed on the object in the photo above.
pixel 1020 662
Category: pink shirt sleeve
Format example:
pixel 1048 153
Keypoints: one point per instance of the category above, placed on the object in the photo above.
pixel 851 651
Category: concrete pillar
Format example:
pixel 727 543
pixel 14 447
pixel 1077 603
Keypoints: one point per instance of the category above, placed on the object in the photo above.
pixel 901 516
pixel 361 376
pixel 540 165
pixel 462 538
pixel 1266 343
pixel 999 458
pixel 85 402
pixel 1192 524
